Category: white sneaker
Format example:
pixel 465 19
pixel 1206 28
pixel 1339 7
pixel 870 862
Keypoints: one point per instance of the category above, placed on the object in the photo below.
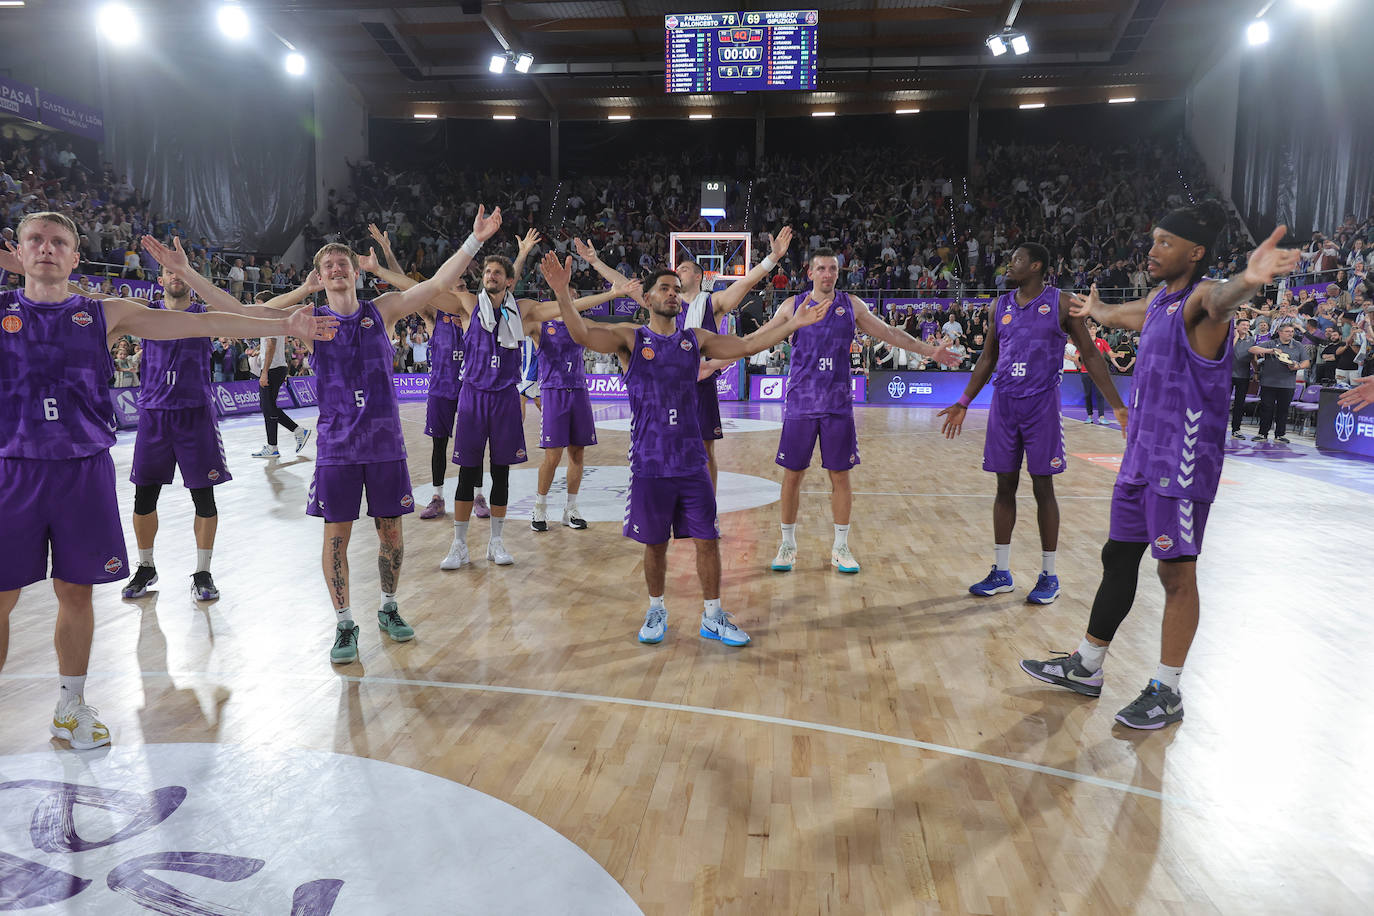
pixel 267 451
pixel 302 437
pixel 843 560
pixel 457 556
pixel 655 625
pixel 539 519
pixel 76 722
pixel 787 556
pixel 496 553
pixel 572 517
pixel 723 629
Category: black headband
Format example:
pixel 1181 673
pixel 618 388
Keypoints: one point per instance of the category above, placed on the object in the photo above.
pixel 1187 223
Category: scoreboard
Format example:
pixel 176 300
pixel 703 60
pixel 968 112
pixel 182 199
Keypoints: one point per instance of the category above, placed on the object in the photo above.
pixel 737 52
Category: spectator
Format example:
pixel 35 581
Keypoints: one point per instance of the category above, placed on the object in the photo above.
pixel 1278 375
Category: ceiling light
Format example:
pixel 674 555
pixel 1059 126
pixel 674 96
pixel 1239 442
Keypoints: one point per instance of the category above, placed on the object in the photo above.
pixel 295 64
pixel 996 45
pixel 503 117
pixel 1029 105
pixel 524 62
pixel 822 114
pixel 233 21
pixel 617 117
pixel 699 117
pixel 1257 33
pixel 498 63
pixel 425 117
pixel 1020 44
pixel 908 111
pixel 1128 98
pixel 11 2
pixel 118 23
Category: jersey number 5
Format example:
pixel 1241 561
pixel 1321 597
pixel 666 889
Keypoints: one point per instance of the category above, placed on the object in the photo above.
pixel 358 397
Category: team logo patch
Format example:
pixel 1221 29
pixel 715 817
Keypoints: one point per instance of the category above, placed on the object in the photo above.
pixel 407 501
pixel 520 454
pixel 1044 308
pixel 82 319
pixel 1173 308
pixel 686 345
pixel 1164 542
pixel 718 432
pixel 840 310
pixel 12 323
pixel 366 322
pixel 1056 462
pixel 647 353
pixel 114 565
pixel 1006 319
pixel 213 475
pixel 552 330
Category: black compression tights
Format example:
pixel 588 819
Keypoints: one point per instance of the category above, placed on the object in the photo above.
pixel 438 461
pixel 469 479
pixel 1116 594
pixel 146 495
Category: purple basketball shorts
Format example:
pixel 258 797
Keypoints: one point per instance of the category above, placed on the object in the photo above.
pixel 567 418
pixel 708 409
pixel 439 414
pixel 839 442
pixel 185 438
pixel 1171 526
pixel 336 493
pixel 1029 426
pixel 683 506
pixel 67 506
pixel 489 417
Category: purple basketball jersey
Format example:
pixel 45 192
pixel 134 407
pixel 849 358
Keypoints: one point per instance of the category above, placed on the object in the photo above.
pixel 55 370
pixel 1030 344
pixel 446 356
pixel 818 380
pixel 359 420
pixel 665 439
pixel 560 358
pixel 175 373
pixel 1180 405
pixel 487 365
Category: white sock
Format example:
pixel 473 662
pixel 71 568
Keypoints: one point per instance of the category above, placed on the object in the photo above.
pixel 145 557
pixel 1046 560
pixel 496 525
pixel 712 608
pixel 1092 654
pixel 541 501
pixel 1169 676
pixel 203 559
pixel 438 492
pixel 1002 555
pixel 841 536
pixel 655 602
pixel 789 535
pixel 71 688
pixel 572 503
pixel 343 616
pixel 385 599
pixel 460 531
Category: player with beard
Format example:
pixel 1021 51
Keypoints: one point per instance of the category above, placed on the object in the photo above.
pixel 819 404
pixel 1023 357
pixel 705 310
pixel 670 490
pixel 1180 407
pixel 56 429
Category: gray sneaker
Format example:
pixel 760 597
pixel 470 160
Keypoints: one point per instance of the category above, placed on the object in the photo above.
pixel 390 620
pixel 1066 671
pixel 1156 707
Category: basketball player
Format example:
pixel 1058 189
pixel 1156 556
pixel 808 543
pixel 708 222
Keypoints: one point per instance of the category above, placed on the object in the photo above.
pixel 494 324
pixel 445 375
pixel 705 310
pixel 670 489
pixel 1024 356
pixel 56 429
pixel 360 445
pixel 1174 447
pixel 274 371
pixel 819 404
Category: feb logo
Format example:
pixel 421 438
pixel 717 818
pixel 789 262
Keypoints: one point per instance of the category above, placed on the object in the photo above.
pixel 896 388
pixel 12 323
pixel 1056 462
pixel 82 319
pixel 647 353
pixel 113 565
pixel 407 501
pixel 213 475
pixel 1345 423
pixel 1164 543
pixel 366 322
pixel 1044 308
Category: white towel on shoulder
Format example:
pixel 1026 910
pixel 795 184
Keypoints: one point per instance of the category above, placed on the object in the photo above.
pixel 512 329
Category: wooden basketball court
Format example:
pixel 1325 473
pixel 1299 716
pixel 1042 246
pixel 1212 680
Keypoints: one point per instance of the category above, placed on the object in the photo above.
pixel 876 750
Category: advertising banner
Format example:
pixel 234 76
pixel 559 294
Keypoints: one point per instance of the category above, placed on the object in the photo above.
pixel 411 387
pixel 234 398
pixel 18 99
pixel 940 389
pixel 125 401
pixel 1341 429
pixel 73 117
pixel 303 390
pixel 774 388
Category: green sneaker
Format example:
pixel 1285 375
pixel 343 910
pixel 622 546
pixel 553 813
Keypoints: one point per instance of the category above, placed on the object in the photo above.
pixel 345 645
pixel 389 619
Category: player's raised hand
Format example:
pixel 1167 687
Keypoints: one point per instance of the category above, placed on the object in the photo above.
pixel 945 357
pixel 530 239
pixel 368 262
pixel 585 251
pixel 556 273
pixel 484 226
pixel 632 289
pixel 314 282
pixel 1361 396
pixel 305 325
pixel 780 242
pixel 379 236
pixel 173 259
pixel 1082 306
pixel 954 420
pixel 1269 261
pixel 811 313
pixel 9 259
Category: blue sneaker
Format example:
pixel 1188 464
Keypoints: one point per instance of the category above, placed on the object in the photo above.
pixel 1045 591
pixel 724 629
pixel 997 582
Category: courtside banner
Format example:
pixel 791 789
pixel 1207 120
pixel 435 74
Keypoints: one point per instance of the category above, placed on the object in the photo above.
pixel 125 401
pixel 1341 429
pixel 234 398
pixel 941 389
pixel 606 387
pixel 411 387
pixel 303 389
pixel 774 388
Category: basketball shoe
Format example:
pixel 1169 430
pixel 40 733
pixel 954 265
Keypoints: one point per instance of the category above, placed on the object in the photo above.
pixel 1156 707
pixel 995 583
pixel 345 644
pixel 723 629
pixel 655 625
pixel 76 722
pixel 786 558
pixel 1066 671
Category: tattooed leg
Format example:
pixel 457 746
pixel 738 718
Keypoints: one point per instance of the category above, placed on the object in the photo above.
pixel 335 561
pixel 389 553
